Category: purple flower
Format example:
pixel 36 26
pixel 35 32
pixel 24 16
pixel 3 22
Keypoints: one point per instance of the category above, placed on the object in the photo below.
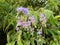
pixel 42 19
pixel 19 23
pixel 32 19
pixel 42 15
pixel 45 19
pixel 19 9
pixel 17 28
pixel 26 24
pixel 23 10
pixel 40 31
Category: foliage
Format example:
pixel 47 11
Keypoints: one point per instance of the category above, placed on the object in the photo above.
pixel 46 29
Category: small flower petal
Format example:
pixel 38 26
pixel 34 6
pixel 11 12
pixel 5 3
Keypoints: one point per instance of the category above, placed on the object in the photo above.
pixel 17 28
pixel 19 23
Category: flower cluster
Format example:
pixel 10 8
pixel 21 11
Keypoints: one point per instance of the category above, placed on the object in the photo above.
pixel 25 24
pixel 23 10
pixel 42 19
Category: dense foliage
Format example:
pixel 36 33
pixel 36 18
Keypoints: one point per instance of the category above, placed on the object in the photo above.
pixel 30 22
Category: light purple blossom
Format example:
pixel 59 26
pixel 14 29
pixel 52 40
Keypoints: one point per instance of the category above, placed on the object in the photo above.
pixel 42 19
pixel 26 24
pixel 19 23
pixel 19 9
pixel 17 28
pixel 32 19
pixel 23 10
pixel 45 19
pixel 42 15
pixel 40 31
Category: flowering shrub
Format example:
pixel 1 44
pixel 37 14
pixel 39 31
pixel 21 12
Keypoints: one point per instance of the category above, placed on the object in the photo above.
pixel 30 22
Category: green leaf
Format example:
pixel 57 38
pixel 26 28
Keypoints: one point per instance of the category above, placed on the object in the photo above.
pixel 11 43
pixel 48 13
